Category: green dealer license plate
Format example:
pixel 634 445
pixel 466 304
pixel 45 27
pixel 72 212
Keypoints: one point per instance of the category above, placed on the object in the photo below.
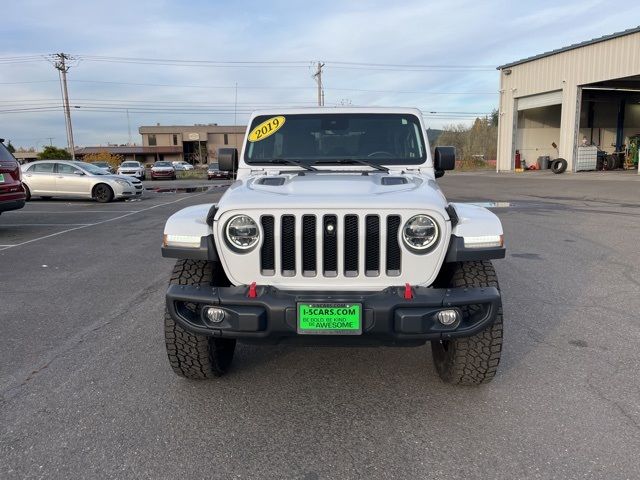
pixel 330 318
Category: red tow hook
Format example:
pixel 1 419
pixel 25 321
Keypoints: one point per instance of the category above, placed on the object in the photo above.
pixel 253 291
pixel 408 292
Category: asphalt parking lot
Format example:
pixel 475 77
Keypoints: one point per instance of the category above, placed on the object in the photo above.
pixel 86 390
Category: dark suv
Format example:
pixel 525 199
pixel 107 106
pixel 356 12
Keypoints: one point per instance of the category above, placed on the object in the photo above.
pixel 12 194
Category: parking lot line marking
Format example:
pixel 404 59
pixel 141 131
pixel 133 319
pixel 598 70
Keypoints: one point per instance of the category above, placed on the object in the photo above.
pixel 44 224
pixel 101 222
pixel 80 211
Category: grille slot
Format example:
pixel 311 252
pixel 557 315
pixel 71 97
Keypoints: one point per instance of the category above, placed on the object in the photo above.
pixel 393 246
pixel 330 246
pixel 288 245
pixel 267 254
pixel 351 246
pixel 309 245
pixel 372 246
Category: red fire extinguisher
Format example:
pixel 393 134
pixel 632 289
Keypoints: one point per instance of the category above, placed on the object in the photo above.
pixel 518 161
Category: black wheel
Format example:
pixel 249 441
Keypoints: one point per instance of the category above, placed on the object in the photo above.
pixel 174 177
pixel 102 193
pixel 559 165
pixel 27 192
pixel 471 360
pixel 612 162
pixel 191 355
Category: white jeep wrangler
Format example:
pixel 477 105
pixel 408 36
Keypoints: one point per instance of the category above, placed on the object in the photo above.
pixel 335 232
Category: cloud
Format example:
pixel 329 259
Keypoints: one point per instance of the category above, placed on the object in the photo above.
pixel 455 32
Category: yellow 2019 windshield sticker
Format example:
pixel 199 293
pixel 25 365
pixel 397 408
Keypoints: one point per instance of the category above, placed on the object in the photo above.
pixel 266 128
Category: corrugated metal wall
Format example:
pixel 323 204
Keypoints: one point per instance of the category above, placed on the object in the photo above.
pixel 566 71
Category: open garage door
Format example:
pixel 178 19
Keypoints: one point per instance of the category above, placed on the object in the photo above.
pixel 538 127
pixel 540 100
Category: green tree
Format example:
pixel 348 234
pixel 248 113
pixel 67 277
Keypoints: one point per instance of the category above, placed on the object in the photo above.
pixel 54 153
pixel 495 115
pixel 10 147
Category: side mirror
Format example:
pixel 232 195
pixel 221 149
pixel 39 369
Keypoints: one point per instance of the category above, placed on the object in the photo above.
pixel 444 158
pixel 228 159
pixel 78 172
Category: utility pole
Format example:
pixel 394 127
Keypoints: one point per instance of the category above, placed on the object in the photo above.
pixel 61 65
pixel 318 78
pixel 50 140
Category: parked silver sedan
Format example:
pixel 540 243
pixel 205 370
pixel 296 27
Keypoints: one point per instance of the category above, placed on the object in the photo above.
pixel 66 178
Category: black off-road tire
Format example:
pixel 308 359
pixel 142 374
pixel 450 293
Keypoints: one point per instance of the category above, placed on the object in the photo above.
pixel 191 355
pixel 471 360
pixel 559 165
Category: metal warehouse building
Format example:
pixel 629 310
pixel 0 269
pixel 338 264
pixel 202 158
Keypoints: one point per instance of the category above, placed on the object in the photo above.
pixel 585 94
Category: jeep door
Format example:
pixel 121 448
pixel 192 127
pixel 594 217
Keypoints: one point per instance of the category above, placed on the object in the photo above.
pixel 71 181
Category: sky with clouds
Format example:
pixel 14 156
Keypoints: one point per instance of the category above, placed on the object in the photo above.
pixel 469 38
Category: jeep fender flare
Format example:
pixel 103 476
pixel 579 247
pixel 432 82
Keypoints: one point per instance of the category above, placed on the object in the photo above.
pixel 191 224
pixel 471 222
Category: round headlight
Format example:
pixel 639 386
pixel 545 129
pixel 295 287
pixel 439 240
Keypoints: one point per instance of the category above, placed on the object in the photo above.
pixel 242 233
pixel 420 233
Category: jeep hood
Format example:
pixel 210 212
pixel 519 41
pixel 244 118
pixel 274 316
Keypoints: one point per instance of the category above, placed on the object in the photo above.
pixel 333 191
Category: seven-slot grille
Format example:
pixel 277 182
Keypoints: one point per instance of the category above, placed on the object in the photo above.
pixel 330 245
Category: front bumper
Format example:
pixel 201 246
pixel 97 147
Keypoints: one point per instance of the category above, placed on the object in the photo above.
pixel 162 173
pixel 387 317
pixel 130 192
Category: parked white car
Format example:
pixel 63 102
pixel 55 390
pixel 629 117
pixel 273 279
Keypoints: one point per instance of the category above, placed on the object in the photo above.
pixel 132 169
pixel 66 178
pixel 335 232
pixel 182 166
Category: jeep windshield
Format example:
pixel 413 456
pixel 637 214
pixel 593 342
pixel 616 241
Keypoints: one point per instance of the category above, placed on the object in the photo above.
pixel 336 139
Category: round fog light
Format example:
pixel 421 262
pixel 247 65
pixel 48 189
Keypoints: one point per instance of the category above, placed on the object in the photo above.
pixel 448 317
pixel 214 315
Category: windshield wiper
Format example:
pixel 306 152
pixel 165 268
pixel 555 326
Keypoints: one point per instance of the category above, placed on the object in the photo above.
pixel 286 161
pixel 352 161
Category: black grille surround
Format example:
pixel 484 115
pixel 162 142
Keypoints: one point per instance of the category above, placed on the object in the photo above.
pixel 329 245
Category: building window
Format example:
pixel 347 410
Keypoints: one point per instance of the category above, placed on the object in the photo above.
pixel 175 139
pixel 152 140
pixel 226 139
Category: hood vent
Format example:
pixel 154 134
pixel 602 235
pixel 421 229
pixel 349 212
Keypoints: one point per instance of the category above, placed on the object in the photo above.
pixel 271 181
pixel 393 181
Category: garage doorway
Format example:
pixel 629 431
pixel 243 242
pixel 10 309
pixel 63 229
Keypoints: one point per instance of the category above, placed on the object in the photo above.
pixel 610 120
pixel 538 127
